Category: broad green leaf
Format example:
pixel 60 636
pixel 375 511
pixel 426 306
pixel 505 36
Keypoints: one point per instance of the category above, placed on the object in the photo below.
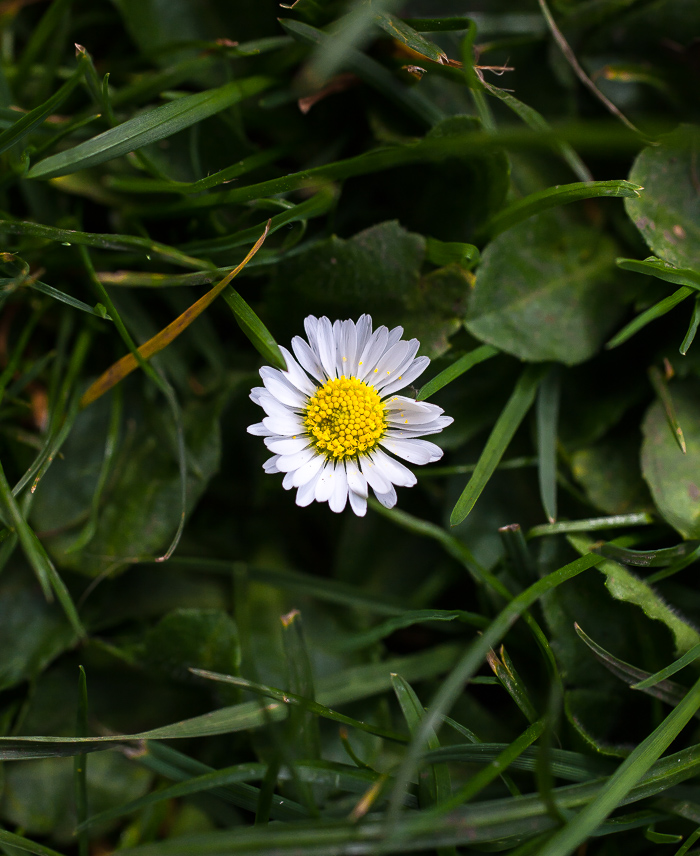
pixel 610 474
pixel 625 586
pixel 143 506
pixel 184 638
pixel 668 211
pixel 151 126
pixel 674 478
pixel 546 292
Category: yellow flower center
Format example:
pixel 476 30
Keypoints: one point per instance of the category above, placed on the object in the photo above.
pixel 345 417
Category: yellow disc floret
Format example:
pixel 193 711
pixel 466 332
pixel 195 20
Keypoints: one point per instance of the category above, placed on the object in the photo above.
pixel 345 417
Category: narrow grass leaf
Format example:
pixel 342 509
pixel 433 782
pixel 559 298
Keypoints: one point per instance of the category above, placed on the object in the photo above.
pixel 591 524
pixel 303 724
pixel 658 381
pixel 498 764
pixel 149 127
pixel 689 337
pixel 451 252
pixel 627 776
pixel 129 362
pixel 690 840
pixel 36 554
pixel 80 765
pixel 537 122
pixel 369 70
pixel 471 660
pixel 513 684
pixel 458 367
pixel 507 424
pixel 665 690
pixel 548 397
pixel 257 333
pixel 671 669
pixel 68 237
pixel 403 32
pixel 649 558
pixel 552 197
pixel 437 787
pixel 62 297
pixel 29 121
pixel 675 567
pixel 289 700
pixel 662 270
pixel 11 840
pixel 656 311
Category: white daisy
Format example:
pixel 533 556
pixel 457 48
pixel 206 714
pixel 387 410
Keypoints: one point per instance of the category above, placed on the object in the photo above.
pixel 333 416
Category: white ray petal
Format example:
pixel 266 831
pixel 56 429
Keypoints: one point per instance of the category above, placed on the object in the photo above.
pixel 290 463
pixel 283 391
pixel 390 361
pixel 287 445
pixel 296 375
pixel 358 503
pixel 288 481
pixel 270 465
pixel 412 450
pixel 388 499
pixel 326 346
pixel 371 353
pixel 325 483
pixel 395 471
pixel 339 497
pixel 305 494
pixel 403 376
pixel 308 471
pixel 285 426
pixel 307 358
pixel 347 347
pixel 356 481
pixel 259 430
pixel 375 477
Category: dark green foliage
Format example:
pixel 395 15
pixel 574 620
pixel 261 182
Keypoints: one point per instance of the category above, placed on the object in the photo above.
pixel 506 661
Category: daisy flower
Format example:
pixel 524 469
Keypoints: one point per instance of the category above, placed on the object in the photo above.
pixel 332 417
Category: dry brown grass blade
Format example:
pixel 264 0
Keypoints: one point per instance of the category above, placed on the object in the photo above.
pixel 123 367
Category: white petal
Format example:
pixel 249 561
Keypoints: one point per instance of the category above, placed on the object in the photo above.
pixel 405 411
pixel 358 503
pixel 375 478
pixel 289 463
pixel 356 481
pixel 396 472
pixel 288 425
pixel 259 430
pixel 394 335
pixel 388 499
pixel 287 445
pixel 340 490
pixel 347 348
pixel 325 483
pixel 406 375
pixel 307 358
pixel 283 391
pixel 272 406
pixel 288 481
pixel 311 327
pixel 419 430
pixel 414 451
pixel 270 465
pixel 296 375
pixel 308 471
pixel 375 347
pixel 390 361
pixel 363 330
pixel 305 494
pixel 326 346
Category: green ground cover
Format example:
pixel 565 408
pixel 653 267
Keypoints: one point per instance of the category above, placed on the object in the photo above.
pixel 504 659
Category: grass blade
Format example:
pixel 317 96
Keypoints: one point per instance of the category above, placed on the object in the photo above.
pixel 257 333
pixel 35 117
pixel 554 196
pixel 150 127
pixel 129 362
pixel 669 670
pixel 692 327
pixel 458 367
pixel 507 424
pixel 548 397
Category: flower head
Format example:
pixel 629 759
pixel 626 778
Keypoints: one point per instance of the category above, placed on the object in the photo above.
pixel 333 415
